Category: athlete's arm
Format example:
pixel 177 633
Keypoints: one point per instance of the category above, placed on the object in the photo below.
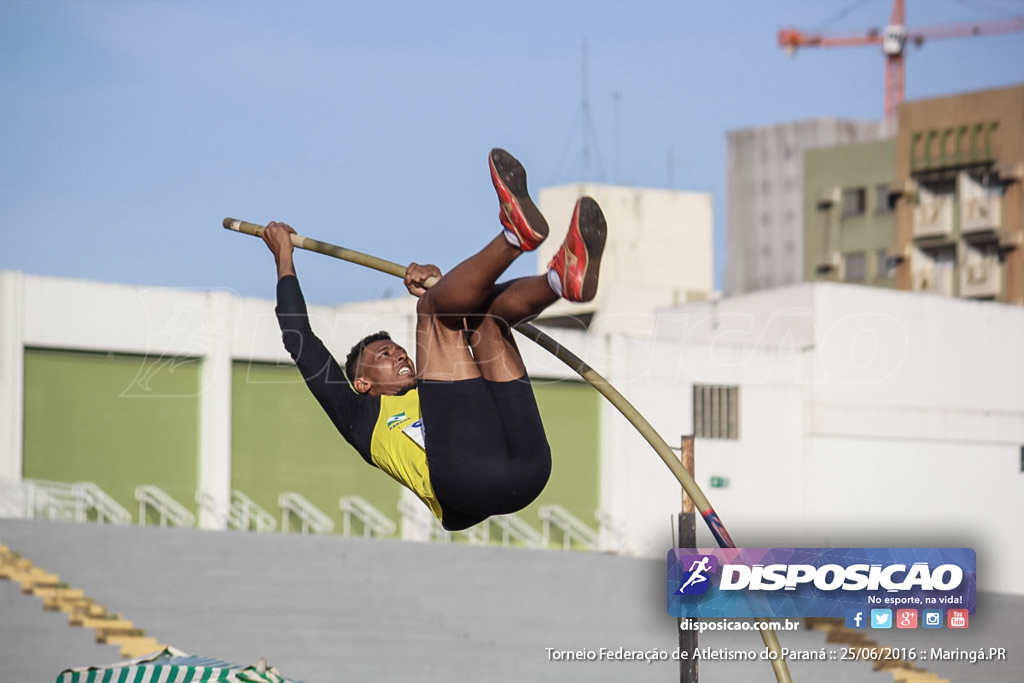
pixel 354 415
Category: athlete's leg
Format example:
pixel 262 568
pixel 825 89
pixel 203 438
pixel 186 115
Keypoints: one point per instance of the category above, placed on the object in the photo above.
pixel 523 464
pixel 573 271
pixel 486 447
pixel 489 332
pixel 441 351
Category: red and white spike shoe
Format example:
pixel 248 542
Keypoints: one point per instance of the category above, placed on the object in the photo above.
pixel 518 213
pixel 578 263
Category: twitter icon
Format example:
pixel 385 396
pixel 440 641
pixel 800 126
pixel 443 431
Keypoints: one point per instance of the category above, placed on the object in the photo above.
pixel 881 618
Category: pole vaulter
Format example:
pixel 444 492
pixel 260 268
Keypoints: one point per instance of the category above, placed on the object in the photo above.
pixel 584 370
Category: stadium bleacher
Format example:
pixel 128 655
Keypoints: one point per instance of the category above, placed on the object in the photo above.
pixel 333 608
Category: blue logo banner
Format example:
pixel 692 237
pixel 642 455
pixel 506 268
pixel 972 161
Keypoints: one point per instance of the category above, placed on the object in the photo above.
pixel 818 582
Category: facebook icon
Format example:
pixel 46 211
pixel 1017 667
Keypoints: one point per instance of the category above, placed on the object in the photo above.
pixel 854 618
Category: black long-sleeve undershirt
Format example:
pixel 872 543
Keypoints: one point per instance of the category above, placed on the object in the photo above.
pixel 352 413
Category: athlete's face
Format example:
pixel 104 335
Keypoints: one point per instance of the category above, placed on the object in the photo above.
pixel 385 369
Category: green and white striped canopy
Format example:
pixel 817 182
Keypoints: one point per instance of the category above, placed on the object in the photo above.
pixel 173 666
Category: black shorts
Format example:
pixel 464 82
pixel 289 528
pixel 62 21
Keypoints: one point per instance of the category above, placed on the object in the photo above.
pixel 486 448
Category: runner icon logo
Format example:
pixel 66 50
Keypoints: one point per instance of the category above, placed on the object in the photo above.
pixel 696 581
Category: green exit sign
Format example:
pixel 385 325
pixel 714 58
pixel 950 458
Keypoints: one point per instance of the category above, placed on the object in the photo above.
pixel 719 482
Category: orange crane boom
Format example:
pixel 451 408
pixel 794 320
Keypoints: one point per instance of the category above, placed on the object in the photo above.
pixel 893 39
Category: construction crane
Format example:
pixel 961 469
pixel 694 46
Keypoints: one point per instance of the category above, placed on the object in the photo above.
pixel 893 40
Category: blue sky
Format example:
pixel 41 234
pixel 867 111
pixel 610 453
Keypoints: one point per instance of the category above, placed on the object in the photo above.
pixel 129 129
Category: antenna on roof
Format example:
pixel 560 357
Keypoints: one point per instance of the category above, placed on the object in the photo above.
pixel 589 134
pixel 586 125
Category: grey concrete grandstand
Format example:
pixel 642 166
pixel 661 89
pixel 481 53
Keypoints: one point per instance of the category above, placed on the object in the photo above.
pixel 328 608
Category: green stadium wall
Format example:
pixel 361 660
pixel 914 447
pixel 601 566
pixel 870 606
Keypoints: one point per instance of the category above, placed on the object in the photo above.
pixel 118 420
pixel 571 412
pixel 122 420
pixel 281 440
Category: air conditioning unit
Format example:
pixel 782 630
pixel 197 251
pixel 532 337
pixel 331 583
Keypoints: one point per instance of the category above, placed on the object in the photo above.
pixel 897 255
pixel 827 198
pixel 831 261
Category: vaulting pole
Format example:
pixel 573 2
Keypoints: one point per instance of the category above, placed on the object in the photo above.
pixel 577 364
pixel 687 528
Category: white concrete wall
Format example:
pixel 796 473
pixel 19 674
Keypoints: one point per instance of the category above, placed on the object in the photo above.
pixel 218 327
pixel 12 373
pixel 878 417
pixel 867 416
pixel 764 500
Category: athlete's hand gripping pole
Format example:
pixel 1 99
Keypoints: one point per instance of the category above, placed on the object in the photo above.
pixel 577 364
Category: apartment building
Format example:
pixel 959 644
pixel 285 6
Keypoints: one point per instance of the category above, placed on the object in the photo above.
pixel 849 221
pixel 765 204
pixel 959 206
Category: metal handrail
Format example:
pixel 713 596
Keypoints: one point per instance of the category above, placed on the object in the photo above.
pixel 107 509
pixel 374 521
pixel 73 501
pixel 413 512
pixel 18 499
pixel 245 513
pixel 477 535
pixel 57 500
pixel 570 525
pixel 207 501
pixel 515 528
pixel 606 522
pixel 168 508
pixel 312 518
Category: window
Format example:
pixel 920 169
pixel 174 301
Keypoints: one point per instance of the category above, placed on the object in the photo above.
pixel 854 266
pixel 882 204
pixel 854 201
pixel 716 412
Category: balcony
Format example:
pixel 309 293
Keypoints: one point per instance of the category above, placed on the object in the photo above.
pixel 933 217
pixel 981 214
pixel 980 207
pixel 982 280
pixel 934 280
